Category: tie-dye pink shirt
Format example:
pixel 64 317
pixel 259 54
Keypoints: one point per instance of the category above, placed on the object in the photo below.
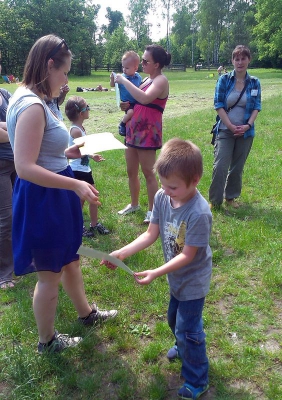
pixel 144 130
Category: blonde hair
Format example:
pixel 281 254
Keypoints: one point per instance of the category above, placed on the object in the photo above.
pixel 134 56
pixel 181 158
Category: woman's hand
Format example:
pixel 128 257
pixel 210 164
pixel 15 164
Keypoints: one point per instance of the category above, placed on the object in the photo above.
pixel 239 130
pixel 86 192
pixel 120 78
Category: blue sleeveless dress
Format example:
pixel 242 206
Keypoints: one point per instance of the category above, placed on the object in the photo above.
pixel 47 222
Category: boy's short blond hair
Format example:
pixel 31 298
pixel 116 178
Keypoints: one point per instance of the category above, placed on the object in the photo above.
pixel 134 56
pixel 181 158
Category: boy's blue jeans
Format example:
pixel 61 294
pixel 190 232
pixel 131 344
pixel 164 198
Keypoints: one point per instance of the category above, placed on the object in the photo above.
pixel 186 323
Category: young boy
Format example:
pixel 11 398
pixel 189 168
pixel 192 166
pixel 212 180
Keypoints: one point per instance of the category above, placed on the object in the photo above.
pixel 182 218
pixel 130 63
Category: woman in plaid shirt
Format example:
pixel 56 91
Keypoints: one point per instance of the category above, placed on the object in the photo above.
pixel 235 129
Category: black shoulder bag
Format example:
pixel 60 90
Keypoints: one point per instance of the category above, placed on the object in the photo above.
pixel 213 130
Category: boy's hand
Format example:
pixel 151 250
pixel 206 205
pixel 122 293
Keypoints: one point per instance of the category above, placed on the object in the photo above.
pixel 97 157
pixel 148 277
pixel 124 105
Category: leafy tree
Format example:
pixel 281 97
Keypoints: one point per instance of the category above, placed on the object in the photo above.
pixel 23 22
pixel 137 21
pixel 184 37
pixel 116 45
pixel 268 32
pixel 115 20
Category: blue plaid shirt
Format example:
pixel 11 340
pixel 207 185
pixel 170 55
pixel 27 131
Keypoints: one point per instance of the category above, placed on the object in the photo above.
pixel 224 87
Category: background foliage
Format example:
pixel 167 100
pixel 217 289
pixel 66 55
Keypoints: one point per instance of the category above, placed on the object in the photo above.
pixel 202 30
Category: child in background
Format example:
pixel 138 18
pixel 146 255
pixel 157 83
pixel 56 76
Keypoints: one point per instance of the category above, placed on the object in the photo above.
pixel 130 63
pixel 77 111
pixel 182 218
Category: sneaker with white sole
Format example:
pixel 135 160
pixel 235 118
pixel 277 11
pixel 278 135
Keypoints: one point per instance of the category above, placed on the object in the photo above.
pixel 58 343
pixel 128 209
pixel 97 315
pixel 148 217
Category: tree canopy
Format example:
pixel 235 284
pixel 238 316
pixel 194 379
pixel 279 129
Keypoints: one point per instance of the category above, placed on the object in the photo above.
pixel 205 30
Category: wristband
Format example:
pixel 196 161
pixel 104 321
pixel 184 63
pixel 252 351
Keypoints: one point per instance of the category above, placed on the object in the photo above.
pixel 249 124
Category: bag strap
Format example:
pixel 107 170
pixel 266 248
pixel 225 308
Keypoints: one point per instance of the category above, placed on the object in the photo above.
pixel 239 98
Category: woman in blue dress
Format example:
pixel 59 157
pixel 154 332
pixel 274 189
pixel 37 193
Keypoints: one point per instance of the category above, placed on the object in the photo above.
pixel 47 216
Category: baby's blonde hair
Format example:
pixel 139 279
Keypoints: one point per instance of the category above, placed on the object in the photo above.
pixel 134 56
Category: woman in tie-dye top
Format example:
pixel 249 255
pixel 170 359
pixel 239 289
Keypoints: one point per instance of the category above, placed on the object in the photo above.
pixel 144 130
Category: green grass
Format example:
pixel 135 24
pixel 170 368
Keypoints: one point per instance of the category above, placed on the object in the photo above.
pixel 126 359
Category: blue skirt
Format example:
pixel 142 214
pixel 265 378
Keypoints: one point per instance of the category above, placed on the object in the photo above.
pixel 47 227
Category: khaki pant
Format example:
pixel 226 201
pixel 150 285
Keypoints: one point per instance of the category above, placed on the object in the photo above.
pixel 7 178
pixel 230 155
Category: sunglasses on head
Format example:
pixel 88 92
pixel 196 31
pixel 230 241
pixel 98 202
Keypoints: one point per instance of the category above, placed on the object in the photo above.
pixel 57 48
pixel 87 108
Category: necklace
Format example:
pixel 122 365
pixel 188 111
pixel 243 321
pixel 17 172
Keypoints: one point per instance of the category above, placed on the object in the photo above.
pixel 242 81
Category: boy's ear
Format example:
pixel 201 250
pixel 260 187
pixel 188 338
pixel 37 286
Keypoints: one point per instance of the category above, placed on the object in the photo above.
pixel 196 180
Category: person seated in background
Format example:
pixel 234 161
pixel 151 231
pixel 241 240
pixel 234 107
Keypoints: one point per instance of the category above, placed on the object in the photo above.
pixel 6 79
pixel 100 88
pixel 12 79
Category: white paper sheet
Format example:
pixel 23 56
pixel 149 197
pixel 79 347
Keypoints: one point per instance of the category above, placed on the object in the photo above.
pixel 117 91
pixel 92 253
pixel 98 142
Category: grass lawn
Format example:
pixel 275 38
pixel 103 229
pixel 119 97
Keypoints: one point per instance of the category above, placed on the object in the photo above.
pixel 126 358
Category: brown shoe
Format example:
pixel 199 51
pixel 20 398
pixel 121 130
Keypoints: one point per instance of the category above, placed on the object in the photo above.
pixel 232 203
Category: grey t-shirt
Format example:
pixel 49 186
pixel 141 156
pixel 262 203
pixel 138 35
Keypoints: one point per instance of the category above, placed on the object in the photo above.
pixel 189 225
pixel 55 138
pixel 236 115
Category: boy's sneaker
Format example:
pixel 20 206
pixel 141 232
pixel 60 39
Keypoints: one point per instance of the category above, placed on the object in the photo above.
pixel 97 315
pixel 87 233
pixel 59 342
pixel 128 209
pixel 188 391
pixel 172 353
pixel 148 217
pixel 99 228
pixel 122 129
